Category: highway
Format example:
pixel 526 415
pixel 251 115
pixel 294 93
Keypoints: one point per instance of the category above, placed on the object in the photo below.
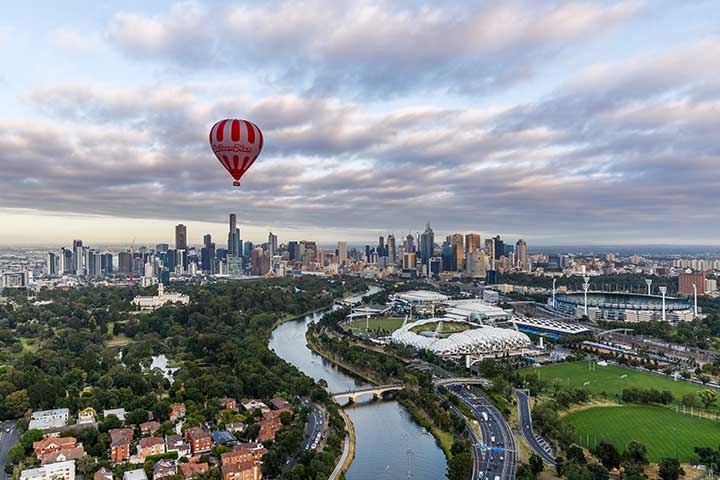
pixel 8 438
pixel 496 455
pixel 536 442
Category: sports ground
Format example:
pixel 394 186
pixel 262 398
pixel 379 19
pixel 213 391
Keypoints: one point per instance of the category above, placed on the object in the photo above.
pixel 610 379
pixel 389 324
pixel 654 427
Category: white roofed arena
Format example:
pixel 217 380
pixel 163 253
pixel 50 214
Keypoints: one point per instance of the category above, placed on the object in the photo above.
pixel 480 342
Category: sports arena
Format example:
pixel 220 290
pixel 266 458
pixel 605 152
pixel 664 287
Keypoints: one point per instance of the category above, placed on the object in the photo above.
pixel 477 341
pixel 624 307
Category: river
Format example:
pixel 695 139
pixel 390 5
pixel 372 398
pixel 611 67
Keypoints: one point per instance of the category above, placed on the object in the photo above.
pixel 389 444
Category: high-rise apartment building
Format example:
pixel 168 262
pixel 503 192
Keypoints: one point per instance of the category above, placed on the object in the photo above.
pixel 472 242
pixel 342 252
pixel 521 256
pixel 456 239
pixel 78 258
pixel 409 260
pixel 686 281
pixel 391 249
pixel 180 237
pixel 52 264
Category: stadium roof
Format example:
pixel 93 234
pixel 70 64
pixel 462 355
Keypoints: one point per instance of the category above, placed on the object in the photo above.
pixel 421 296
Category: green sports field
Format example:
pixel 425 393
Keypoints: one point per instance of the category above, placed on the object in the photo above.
pixel 389 324
pixel 610 379
pixel 654 427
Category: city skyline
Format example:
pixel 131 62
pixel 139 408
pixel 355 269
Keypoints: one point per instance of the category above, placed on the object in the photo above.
pixel 577 122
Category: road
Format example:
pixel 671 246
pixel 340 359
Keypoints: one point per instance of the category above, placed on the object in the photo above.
pixel 536 442
pixel 8 438
pixel 314 429
pixel 497 452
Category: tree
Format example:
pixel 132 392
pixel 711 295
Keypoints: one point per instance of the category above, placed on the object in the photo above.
pixel 670 469
pixel 633 471
pixel 708 397
pixel 16 404
pixel 460 466
pixel 690 399
pixel 636 453
pixel 16 453
pixel 608 455
pixel 30 437
pixel 536 464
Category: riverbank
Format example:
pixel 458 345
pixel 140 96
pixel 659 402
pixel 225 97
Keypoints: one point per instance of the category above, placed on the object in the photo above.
pixel 314 345
pixel 350 453
pixel 293 317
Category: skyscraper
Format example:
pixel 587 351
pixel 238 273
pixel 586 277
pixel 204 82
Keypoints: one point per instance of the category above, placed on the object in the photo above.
pixel 381 252
pixel 233 244
pixel 342 252
pixel 472 242
pixel 52 264
pixel 499 247
pixel 410 243
pixel 78 258
pixel 391 249
pixel 427 244
pixel 180 237
pixel 449 257
pixel 125 262
pixel 457 240
pixel 521 257
pixel 207 255
pixel 293 250
pixel 272 244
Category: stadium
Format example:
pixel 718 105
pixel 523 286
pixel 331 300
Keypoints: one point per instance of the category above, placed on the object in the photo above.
pixel 624 307
pixel 476 341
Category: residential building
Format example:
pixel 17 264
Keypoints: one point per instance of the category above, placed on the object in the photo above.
pixel 242 471
pixel 138 474
pixel 86 416
pixel 47 419
pixel 244 452
pixel 686 280
pixel 164 468
pixel 235 427
pixel 120 440
pixel 149 428
pixel 228 403
pixel 51 471
pixel 177 411
pixel 118 412
pixel 191 471
pixel 57 449
pixel 103 473
pixel 176 443
pixel 149 446
pixel 279 403
pixel 200 441
pixel 251 405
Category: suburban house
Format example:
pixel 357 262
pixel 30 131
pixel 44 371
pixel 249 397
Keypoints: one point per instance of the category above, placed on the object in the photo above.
pixel 120 440
pixel 150 446
pixel 103 473
pixel 252 405
pixel 86 416
pixel 164 468
pixel 49 445
pixel 280 404
pixel 47 419
pixel 118 412
pixel 235 427
pixel 51 471
pixel 200 441
pixel 270 424
pixel 149 428
pixel 228 403
pixel 177 411
pixel 176 443
pixel 191 471
pixel 138 474
pixel 242 471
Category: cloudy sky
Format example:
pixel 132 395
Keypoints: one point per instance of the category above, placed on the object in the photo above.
pixel 557 121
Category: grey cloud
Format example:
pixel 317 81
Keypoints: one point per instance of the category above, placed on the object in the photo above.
pixel 369 48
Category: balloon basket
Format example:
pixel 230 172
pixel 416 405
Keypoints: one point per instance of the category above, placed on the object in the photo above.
pixel 236 184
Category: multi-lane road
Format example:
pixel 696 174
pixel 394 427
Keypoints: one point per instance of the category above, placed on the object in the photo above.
pixel 495 453
pixel 314 433
pixel 8 438
pixel 537 443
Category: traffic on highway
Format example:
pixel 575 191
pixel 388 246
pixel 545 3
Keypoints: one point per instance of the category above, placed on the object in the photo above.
pixel 495 452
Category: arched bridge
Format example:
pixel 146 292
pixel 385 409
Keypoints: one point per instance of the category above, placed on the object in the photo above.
pixel 376 392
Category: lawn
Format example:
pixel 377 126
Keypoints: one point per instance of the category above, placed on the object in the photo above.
pixel 389 324
pixel 447 327
pixel 654 427
pixel 610 379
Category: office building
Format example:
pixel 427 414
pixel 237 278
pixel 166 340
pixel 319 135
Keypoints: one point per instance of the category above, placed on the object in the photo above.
pixel 409 260
pixel 449 257
pixel 181 237
pixel 472 242
pixel 52 264
pixel 499 247
pixel 106 263
pixel 391 249
pixel 78 258
pixel 427 244
pixel 456 240
pixel 125 262
pixel 272 244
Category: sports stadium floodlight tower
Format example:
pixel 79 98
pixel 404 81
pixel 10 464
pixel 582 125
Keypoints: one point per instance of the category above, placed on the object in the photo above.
pixel 663 291
pixel 554 280
pixel 648 281
pixel 586 286
pixel 695 311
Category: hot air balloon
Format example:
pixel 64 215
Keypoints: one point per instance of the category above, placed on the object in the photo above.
pixel 237 144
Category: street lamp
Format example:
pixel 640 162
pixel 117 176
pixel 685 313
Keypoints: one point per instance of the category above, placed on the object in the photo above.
pixel 648 281
pixel 663 291
pixel 586 286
